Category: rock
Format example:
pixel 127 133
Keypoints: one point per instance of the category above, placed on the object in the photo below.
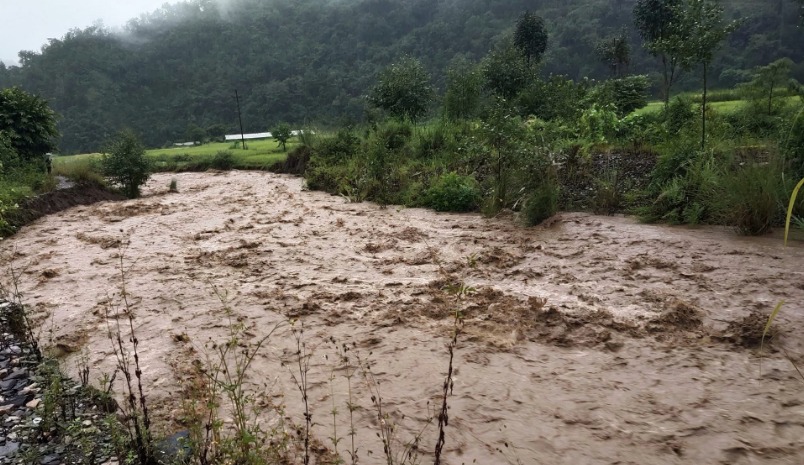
pixel 9 449
pixel 34 403
pixel 174 449
pixel 87 422
pixel 50 459
pixel 8 384
pixel 18 373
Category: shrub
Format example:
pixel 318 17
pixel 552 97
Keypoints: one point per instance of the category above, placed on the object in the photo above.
pixel 608 193
pixel 453 193
pixel 223 160
pixel 342 146
pixel 750 198
pixel 432 141
pixel 541 204
pixel 679 114
pixel 687 196
pixel 124 164
pixel 282 133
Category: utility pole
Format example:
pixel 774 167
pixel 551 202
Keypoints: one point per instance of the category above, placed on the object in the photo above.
pixel 240 118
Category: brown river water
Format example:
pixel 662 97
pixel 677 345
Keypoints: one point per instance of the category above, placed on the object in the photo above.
pixel 590 340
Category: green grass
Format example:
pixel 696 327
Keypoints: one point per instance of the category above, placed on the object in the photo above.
pixel 725 106
pixel 259 155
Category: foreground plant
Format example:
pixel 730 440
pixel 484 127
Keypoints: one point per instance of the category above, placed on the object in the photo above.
pixel 135 408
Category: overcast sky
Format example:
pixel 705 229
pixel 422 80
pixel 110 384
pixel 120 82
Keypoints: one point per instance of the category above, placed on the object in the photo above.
pixel 28 24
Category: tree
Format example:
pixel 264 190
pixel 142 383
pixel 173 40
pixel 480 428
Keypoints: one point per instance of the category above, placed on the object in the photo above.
pixel 505 71
pixel 530 37
pixel 615 52
pixel 767 79
pixel 464 86
pixel 124 163
pixel 28 123
pixel 282 135
pixel 700 31
pixel 403 90
pixel 656 21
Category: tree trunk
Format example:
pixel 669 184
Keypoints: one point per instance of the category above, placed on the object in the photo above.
pixel 770 99
pixel 703 109
pixel 666 86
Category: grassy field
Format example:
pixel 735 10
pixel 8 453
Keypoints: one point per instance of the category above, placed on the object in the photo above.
pixel 724 106
pixel 259 154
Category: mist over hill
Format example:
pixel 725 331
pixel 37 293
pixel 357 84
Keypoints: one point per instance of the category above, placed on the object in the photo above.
pixel 312 61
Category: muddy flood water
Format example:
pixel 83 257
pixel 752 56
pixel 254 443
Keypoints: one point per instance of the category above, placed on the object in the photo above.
pixel 590 340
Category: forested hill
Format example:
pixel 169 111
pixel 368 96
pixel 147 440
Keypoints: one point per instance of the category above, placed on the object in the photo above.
pixel 311 61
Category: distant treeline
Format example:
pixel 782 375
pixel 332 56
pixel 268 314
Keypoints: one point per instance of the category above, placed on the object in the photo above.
pixel 312 61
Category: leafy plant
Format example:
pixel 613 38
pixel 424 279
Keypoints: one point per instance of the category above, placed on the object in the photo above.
pixel 403 89
pixel 124 163
pixel 223 160
pixel 282 133
pixel 453 193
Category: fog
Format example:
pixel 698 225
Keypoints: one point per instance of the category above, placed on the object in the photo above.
pixel 27 25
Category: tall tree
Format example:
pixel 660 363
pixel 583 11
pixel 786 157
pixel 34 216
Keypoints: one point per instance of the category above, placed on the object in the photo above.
pixel 701 30
pixel 615 52
pixel 505 71
pixel 530 37
pixel 656 21
pixel 27 122
pixel 767 79
pixel 464 86
pixel 403 89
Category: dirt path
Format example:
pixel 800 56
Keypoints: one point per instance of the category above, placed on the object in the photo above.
pixel 594 340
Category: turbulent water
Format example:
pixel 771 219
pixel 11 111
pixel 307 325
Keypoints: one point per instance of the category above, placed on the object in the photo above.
pixel 590 340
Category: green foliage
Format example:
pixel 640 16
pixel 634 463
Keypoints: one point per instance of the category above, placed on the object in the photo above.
pixel 83 172
pixel 530 37
pixel 599 124
pixel 656 21
pixel 625 94
pixel 453 193
pixel 505 71
pixel 678 115
pixel 403 90
pixel 685 185
pixel 615 52
pixel 27 123
pixel 554 98
pixel 124 164
pixel 282 133
pixel 541 204
pixel 766 81
pixel 464 87
pixel 749 197
pixel 223 160
pixel 196 134
pixel 320 69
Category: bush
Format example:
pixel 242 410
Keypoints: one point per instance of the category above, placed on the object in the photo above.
pixel 342 146
pixel 453 193
pixel 750 198
pixel 541 204
pixel 679 115
pixel 689 195
pixel 223 160
pixel 608 193
pixel 124 164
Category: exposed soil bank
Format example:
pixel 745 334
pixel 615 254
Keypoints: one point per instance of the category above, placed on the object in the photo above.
pixel 58 200
pixel 593 340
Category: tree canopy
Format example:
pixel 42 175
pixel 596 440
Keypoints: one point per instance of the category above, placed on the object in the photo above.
pixel 27 123
pixel 403 89
pixel 313 61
